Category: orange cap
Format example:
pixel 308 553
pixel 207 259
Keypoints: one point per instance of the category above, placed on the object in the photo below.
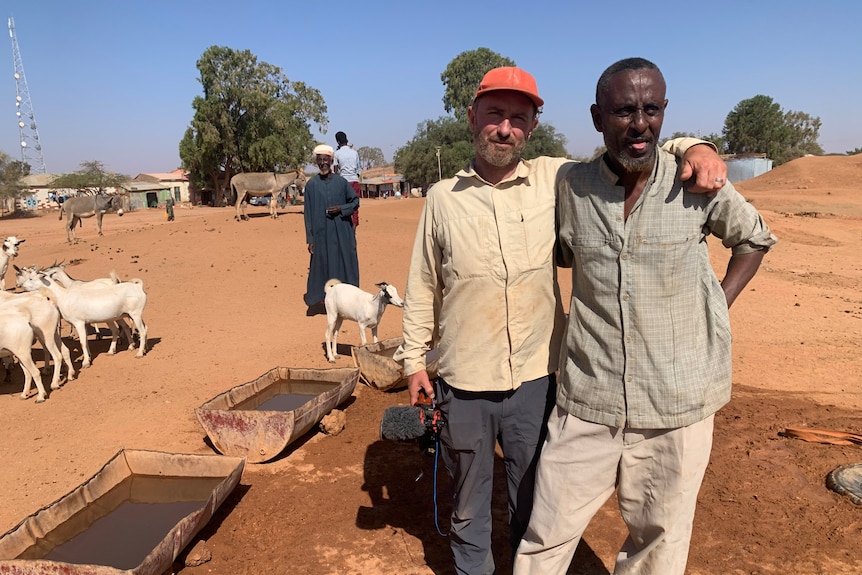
pixel 510 78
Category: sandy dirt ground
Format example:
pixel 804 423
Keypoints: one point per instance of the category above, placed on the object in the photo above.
pixel 225 305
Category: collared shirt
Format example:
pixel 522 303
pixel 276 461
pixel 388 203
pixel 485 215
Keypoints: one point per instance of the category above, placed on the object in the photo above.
pixel 648 337
pixel 347 161
pixel 490 250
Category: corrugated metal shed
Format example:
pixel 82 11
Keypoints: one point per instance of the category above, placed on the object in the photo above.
pixel 739 169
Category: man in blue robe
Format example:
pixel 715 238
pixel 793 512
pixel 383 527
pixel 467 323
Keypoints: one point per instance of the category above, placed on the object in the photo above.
pixel 329 203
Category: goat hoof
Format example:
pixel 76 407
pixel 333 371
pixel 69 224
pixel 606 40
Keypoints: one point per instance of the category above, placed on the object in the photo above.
pixel 40 399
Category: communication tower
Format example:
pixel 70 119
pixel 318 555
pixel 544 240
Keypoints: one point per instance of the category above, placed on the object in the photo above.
pixel 31 149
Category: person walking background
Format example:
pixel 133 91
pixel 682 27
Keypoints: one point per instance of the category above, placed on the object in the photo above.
pixel 329 203
pixel 169 208
pixel 482 272
pixel 647 356
pixel 346 165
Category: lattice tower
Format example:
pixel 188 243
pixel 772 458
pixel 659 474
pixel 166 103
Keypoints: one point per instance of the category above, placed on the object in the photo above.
pixel 31 148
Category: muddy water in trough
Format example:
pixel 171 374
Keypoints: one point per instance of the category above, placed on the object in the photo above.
pixel 123 526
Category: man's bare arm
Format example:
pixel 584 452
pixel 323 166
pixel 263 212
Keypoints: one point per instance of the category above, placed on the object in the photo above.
pixel 740 269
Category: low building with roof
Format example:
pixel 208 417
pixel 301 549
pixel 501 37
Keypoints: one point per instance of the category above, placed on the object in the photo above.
pixel 175 184
pixel 144 195
pixel 381 182
pixel 39 195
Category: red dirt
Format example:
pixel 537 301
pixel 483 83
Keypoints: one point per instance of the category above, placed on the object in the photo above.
pixel 225 305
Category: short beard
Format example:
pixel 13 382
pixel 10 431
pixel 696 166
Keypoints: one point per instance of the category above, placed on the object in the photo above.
pixel 634 165
pixel 498 158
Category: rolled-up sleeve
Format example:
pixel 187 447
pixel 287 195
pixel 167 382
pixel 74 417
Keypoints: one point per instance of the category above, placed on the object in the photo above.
pixel 739 225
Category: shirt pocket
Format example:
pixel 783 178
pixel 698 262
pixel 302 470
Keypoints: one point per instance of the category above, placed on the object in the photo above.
pixel 467 244
pixel 594 260
pixel 668 264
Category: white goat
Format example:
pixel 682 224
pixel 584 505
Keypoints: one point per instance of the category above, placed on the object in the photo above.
pixel 345 301
pixel 80 306
pixel 41 311
pixel 58 273
pixel 16 337
pixel 9 251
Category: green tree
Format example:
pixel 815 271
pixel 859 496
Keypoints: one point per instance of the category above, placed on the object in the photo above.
pixel 804 131
pixel 758 125
pixel 755 126
pixel 250 118
pixel 417 159
pixel 854 152
pixel 719 140
pixel 92 178
pixel 545 141
pixel 463 75
pixel 11 172
pixel 370 157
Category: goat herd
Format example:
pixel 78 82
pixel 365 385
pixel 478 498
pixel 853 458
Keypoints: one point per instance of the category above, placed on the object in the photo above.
pixel 49 295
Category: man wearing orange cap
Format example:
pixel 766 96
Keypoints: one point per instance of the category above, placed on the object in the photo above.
pixel 483 276
pixel 329 235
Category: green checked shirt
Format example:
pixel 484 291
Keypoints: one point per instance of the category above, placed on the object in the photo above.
pixel 648 341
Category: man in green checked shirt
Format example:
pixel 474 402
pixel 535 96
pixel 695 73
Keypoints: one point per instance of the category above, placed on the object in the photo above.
pixel 647 358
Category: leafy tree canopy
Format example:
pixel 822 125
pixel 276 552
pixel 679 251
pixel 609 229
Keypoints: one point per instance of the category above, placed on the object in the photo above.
pixel 370 157
pixel 250 118
pixel 545 141
pixel 418 160
pixel 758 125
pixel 11 172
pixel 854 152
pixel 804 131
pixel 92 178
pixel 463 75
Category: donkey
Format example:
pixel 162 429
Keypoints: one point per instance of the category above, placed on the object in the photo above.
pixel 263 184
pixel 87 207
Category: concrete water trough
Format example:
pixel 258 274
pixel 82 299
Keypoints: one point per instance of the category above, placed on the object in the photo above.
pixel 133 517
pixel 259 419
pixel 378 370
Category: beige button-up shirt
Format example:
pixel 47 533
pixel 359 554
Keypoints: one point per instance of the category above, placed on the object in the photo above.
pixel 490 249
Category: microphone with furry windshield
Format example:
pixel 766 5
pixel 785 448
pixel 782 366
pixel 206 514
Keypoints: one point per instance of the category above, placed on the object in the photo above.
pixel 422 422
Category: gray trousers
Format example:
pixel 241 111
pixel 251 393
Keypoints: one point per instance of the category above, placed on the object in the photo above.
pixel 475 422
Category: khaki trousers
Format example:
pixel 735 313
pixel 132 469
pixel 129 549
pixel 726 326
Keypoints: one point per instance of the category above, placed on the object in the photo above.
pixel 657 475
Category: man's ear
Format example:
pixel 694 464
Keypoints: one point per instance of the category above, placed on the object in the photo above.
pixel 597 118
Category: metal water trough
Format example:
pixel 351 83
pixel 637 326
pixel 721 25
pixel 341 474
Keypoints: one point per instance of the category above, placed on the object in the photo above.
pixel 378 370
pixel 237 426
pixel 106 525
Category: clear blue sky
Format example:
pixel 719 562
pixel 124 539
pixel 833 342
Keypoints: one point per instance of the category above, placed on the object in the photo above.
pixel 114 81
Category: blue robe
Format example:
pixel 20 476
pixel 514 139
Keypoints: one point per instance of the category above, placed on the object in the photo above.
pixel 333 238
